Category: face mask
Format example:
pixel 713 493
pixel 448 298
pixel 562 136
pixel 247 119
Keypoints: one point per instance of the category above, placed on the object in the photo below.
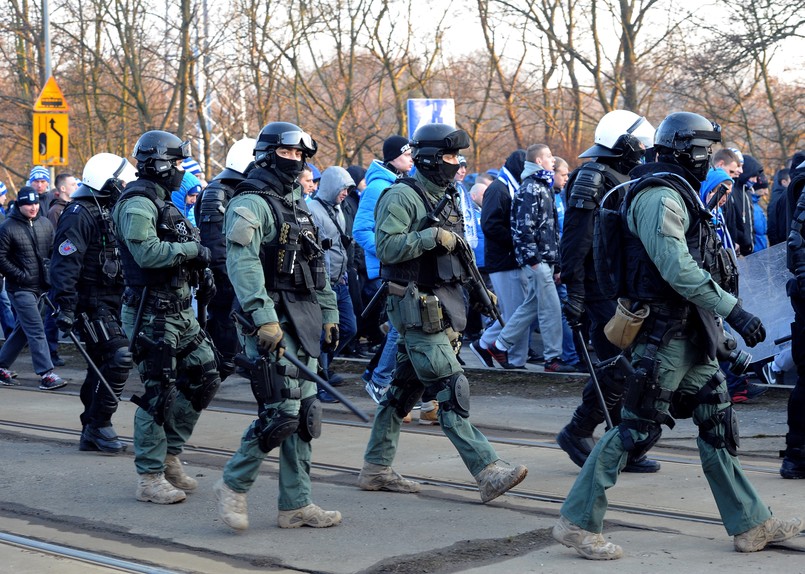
pixel 176 178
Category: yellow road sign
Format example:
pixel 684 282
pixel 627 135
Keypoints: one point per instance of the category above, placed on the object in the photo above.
pixel 51 140
pixel 51 99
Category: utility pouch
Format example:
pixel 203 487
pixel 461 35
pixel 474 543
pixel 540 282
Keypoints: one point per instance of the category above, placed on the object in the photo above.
pixel 624 326
pixel 432 318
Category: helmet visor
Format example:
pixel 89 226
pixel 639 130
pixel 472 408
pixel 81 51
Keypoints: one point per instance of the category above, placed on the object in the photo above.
pixel 183 151
pixel 296 139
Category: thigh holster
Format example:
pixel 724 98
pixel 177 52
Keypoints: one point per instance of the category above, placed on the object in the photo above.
pixel 406 389
pixel 640 447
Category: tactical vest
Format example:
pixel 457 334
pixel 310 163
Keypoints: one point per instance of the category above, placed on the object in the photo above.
pixel 643 281
pixel 293 263
pixel 434 267
pixel 171 226
pixel 102 266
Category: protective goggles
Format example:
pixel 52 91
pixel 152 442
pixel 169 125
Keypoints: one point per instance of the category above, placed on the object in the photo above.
pixel 295 139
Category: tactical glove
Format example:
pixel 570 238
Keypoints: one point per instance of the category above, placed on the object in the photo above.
pixel 750 327
pixel 446 239
pixel 330 338
pixel 573 308
pixel 478 304
pixel 204 257
pixel 269 337
pixel 65 321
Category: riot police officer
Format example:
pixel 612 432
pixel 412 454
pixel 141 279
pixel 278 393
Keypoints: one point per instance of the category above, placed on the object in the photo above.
pixel 794 458
pixel 162 260
pixel 210 218
pixel 426 305
pixel 621 138
pixel 674 264
pixel 87 280
pixel 276 265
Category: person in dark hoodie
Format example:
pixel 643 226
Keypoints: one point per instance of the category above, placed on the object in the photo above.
pixel 499 260
pixel 793 466
pixel 777 223
pixel 739 207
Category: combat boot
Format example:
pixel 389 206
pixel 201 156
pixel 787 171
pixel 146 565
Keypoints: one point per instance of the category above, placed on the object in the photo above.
pixel 154 488
pixel 577 446
pixel 231 506
pixel 794 463
pixel 379 477
pixel 174 473
pixel 102 439
pixel 496 479
pixel 771 531
pixel 589 544
pixel 310 515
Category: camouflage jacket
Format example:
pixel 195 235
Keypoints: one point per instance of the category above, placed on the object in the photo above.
pixel 535 228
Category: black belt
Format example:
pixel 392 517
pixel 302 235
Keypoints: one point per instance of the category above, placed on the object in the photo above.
pixel 159 303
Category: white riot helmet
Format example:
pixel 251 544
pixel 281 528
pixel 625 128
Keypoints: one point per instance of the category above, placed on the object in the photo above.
pixel 240 155
pixel 105 175
pixel 614 129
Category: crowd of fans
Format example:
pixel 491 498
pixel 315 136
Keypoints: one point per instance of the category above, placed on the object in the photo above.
pixel 503 224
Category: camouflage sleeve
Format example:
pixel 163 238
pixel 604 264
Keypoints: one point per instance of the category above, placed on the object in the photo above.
pixel 524 226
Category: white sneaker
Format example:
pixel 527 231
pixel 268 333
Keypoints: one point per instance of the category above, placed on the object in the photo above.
pixel 771 531
pixel 231 506
pixel 495 479
pixel 310 515
pixel 589 544
pixel 154 488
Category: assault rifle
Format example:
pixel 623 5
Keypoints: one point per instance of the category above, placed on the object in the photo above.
pixel 475 286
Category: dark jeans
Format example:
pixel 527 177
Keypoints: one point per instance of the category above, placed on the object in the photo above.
pixel 29 329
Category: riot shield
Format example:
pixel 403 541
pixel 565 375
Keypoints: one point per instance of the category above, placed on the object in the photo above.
pixel 763 276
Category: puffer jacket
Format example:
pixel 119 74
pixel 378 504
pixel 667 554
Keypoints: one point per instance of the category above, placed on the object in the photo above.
pixel 25 247
pixel 378 178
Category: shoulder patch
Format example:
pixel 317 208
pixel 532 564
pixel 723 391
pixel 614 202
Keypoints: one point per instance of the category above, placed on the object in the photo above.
pixel 67 247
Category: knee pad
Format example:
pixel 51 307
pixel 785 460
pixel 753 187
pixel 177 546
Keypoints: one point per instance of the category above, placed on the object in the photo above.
pixel 310 414
pixel 727 420
pixel 201 395
pixel 273 427
pixel 455 395
pixel 640 447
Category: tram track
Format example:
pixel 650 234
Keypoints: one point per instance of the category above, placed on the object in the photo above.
pixel 77 558
pixel 522 494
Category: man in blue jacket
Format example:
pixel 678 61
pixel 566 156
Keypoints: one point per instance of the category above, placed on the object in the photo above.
pixel 397 162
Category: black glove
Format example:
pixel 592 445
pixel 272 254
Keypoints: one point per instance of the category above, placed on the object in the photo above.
pixel 748 326
pixel 573 308
pixel 64 321
pixel 204 257
pixel 206 287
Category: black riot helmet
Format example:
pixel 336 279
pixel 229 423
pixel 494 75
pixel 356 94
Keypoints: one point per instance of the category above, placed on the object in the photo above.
pixel 686 138
pixel 156 153
pixel 283 134
pixel 429 145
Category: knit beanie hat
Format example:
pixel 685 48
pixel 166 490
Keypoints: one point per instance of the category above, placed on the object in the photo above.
pixel 39 172
pixel 394 147
pixel 27 196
